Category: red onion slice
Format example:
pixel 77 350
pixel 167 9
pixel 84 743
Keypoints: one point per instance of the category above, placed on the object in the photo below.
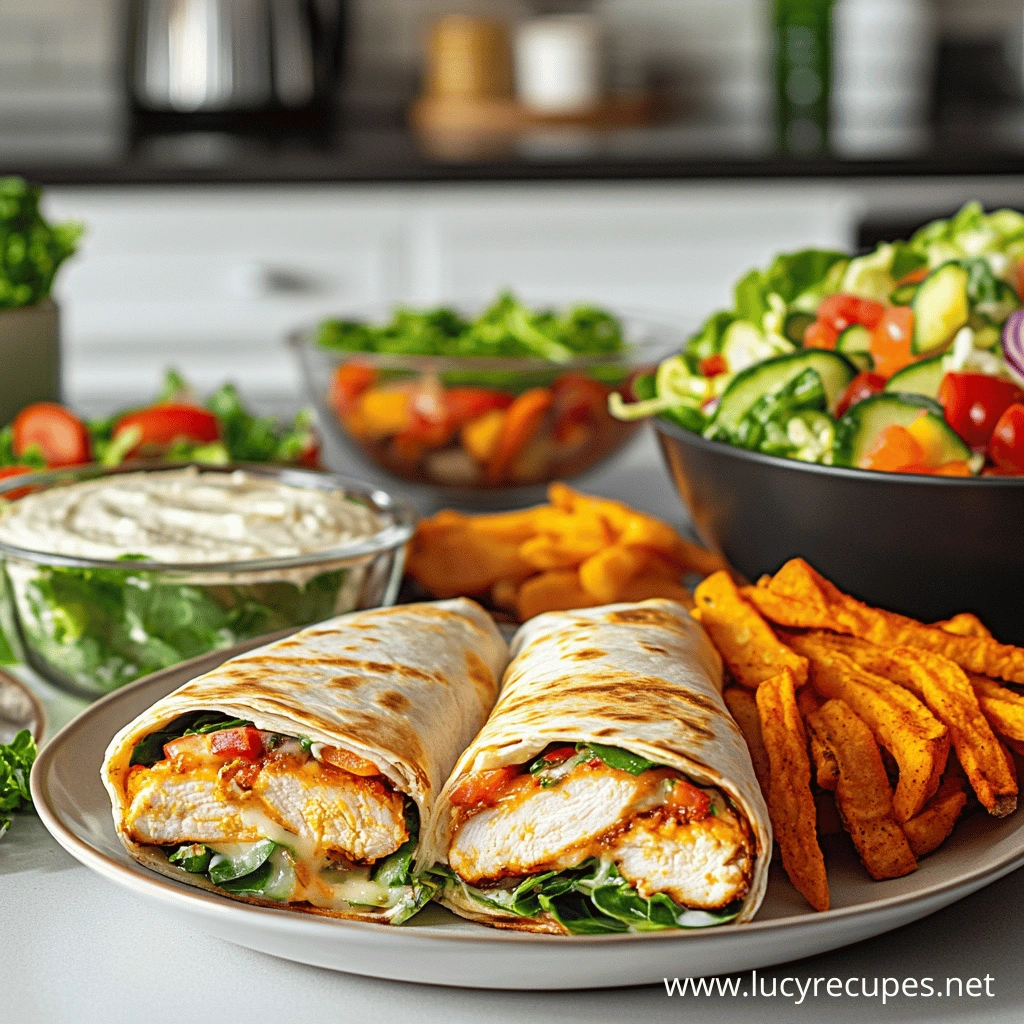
pixel 1013 343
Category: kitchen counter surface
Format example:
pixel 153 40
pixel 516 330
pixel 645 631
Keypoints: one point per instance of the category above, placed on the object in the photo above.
pixel 105 150
pixel 76 947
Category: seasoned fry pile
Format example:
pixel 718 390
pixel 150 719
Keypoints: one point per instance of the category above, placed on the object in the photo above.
pixel 892 725
pixel 575 552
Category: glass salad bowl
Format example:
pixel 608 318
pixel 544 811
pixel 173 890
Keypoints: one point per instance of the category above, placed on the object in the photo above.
pixel 473 422
pixel 91 625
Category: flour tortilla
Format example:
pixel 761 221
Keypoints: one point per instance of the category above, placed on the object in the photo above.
pixel 406 688
pixel 643 677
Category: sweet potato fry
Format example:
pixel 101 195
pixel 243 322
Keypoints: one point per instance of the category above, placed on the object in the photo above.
pixel 790 801
pixel 807 700
pixel 918 742
pixel 460 561
pixel 745 641
pixel 604 575
pixel 965 624
pixel 812 602
pixel 863 795
pixel 634 529
pixel 553 591
pixel 1003 707
pixel 931 828
pixel 547 552
pixel 944 687
pixel 742 706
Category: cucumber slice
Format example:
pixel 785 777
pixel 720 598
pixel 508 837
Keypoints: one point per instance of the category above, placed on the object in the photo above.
pixel 835 370
pixel 904 294
pixel 940 308
pixel 744 345
pixel 856 338
pixel 858 430
pixel 796 326
pixel 921 378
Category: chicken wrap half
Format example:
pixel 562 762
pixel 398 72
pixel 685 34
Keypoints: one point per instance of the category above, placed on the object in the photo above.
pixel 610 790
pixel 299 773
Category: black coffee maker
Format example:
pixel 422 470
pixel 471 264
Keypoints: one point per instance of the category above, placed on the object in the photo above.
pixel 196 62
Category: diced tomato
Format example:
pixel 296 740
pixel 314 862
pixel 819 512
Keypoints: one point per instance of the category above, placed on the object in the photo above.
pixel 482 789
pixel 161 425
pixel 464 404
pixel 891 339
pixel 821 335
pixel 1006 448
pixel 59 435
pixel 973 403
pixel 244 742
pixel 864 385
pixel 349 382
pixel 559 754
pixel 713 366
pixel 309 457
pixel 17 492
pixel 349 762
pixel 894 450
pixel 956 468
pixel 579 402
pixel 686 797
pixel 842 311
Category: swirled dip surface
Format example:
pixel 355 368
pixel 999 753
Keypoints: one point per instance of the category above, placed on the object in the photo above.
pixel 185 515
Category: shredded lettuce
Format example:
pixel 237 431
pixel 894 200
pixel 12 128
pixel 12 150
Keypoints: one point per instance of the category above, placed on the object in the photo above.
pixel 16 760
pixel 106 627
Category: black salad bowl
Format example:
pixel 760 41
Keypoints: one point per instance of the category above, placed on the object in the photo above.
pixel 925 546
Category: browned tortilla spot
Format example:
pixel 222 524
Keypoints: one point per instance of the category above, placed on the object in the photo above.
pixel 588 655
pixel 394 701
pixel 653 648
pixel 646 617
pixel 480 675
pixel 345 682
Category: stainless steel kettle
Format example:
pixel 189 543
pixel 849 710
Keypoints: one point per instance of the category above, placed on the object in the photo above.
pixel 233 56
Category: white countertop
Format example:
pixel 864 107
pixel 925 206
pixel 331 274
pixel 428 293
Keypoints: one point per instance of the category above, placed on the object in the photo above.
pixel 74 947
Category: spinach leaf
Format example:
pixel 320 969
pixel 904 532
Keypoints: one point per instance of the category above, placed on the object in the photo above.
pixel 615 757
pixel 214 722
pixel 31 249
pixel 228 869
pixel 150 749
pixel 193 857
pixel 396 869
pixel 16 760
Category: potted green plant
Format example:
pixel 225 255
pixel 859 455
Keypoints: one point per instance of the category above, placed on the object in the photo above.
pixel 31 252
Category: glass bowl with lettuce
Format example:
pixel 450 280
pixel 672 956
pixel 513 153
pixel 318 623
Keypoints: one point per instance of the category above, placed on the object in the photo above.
pixel 112 573
pixel 909 359
pixel 506 397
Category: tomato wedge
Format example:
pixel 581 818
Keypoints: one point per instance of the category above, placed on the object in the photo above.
pixel 686 797
pixel 974 402
pixel 59 435
pixel 17 492
pixel 864 385
pixel 482 789
pixel 244 742
pixel 162 425
pixel 891 340
pixel 1007 444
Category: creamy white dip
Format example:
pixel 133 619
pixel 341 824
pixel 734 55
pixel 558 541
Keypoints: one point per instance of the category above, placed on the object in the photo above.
pixel 185 515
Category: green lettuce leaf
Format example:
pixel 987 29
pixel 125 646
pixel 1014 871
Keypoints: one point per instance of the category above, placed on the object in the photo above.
pixel 16 760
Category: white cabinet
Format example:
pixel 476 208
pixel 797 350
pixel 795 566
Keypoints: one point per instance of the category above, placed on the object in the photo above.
pixel 210 279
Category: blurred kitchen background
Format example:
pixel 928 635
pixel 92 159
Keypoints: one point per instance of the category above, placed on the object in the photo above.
pixel 638 153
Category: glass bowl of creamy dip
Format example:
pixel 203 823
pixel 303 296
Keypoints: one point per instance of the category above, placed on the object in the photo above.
pixel 110 574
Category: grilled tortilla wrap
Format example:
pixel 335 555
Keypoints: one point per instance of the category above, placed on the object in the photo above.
pixel 610 789
pixel 309 763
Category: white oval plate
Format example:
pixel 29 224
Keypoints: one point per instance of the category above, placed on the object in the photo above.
pixel 438 948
